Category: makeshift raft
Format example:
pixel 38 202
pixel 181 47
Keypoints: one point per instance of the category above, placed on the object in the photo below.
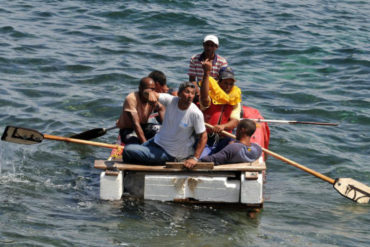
pixel 240 183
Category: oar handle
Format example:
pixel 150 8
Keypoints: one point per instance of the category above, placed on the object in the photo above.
pixel 314 123
pixel 68 139
pixel 282 158
pixel 258 120
pixel 295 164
pixel 111 128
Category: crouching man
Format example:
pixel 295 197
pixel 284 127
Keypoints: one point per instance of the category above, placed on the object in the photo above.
pixel 242 150
pixel 175 140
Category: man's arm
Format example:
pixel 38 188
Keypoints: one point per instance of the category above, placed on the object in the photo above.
pixel 233 121
pixel 204 89
pixel 151 96
pixel 232 124
pixel 190 163
pixel 223 156
pixel 134 117
pixel 161 112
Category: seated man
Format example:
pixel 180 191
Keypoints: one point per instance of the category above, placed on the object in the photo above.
pixel 133 122
pixel 240 151
pixel 175 140
pixel 160 81
pixel 220 103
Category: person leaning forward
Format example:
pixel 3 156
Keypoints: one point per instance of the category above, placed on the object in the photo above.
pixel 242 150
pixel 175 140
pixel 136 112
pixel 220 104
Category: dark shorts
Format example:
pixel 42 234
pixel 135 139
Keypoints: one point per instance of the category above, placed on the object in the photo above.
pixel 128 136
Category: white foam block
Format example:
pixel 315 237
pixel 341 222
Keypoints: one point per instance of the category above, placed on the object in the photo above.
pixel 207 189
pixel 111 187
pixel 251 189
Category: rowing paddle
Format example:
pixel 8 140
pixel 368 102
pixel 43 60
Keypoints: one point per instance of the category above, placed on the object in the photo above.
pixel 93 133
pixel 29 136
pixel 347 187
pixel 258 120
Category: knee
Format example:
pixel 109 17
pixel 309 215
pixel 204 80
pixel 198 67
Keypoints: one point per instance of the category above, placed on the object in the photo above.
pixel 130 152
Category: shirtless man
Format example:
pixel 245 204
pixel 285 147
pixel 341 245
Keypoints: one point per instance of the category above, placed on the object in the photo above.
pixel 136 112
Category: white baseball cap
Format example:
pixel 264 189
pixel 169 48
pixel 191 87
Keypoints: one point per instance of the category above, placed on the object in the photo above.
pixel 212 38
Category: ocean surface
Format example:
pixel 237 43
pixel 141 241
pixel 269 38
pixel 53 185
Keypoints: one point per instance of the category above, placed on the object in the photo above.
pixel 67 65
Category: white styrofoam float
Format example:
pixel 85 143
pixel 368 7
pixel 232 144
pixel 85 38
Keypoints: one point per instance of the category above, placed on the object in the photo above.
pixel 233 183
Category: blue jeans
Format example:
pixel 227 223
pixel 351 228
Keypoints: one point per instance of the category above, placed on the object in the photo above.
pixel 148 153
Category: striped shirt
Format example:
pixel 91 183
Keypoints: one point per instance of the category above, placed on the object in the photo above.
pixel 195 67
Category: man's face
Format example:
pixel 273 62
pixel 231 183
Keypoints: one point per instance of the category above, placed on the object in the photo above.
pixel 187 95
pixel 147 87
pixel 209 47
pixel 161 89
pixel 227 85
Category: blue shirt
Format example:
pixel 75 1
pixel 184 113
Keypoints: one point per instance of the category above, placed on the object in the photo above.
pixel 235 153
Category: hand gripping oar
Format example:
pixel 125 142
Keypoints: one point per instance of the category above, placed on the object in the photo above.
pixel 29 136
pixel 258 120
pixel 93 133
pixel 347 187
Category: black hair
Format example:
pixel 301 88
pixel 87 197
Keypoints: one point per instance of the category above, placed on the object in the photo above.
pixel 158 76
pixel 248 126
pixel 185 85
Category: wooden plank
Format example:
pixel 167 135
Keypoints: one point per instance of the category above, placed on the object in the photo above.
pixel 104 164
pixel 251 175
pixel 199 165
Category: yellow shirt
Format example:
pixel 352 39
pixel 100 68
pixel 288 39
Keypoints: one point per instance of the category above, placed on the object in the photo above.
pixel 220 97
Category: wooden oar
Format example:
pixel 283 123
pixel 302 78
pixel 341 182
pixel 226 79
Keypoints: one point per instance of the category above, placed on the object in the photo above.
pixel 97 132
pixel 29 136
pixel 347 187
pixel 258 120
pixel 93 133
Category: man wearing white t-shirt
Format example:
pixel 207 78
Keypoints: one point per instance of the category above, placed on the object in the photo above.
pixel 175 140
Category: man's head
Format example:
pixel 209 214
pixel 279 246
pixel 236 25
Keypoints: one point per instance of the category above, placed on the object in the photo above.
pixel 210 44
pixel 160 81
pixel 186 93
pixel 226 79
pixel 246 128
pixel 146 84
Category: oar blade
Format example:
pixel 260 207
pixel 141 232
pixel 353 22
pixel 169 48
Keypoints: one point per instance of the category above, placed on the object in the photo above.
pixel 353 190
pixel 21 135
pixel 90 134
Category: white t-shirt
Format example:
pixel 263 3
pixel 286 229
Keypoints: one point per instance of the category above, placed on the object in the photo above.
pixel 176 134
